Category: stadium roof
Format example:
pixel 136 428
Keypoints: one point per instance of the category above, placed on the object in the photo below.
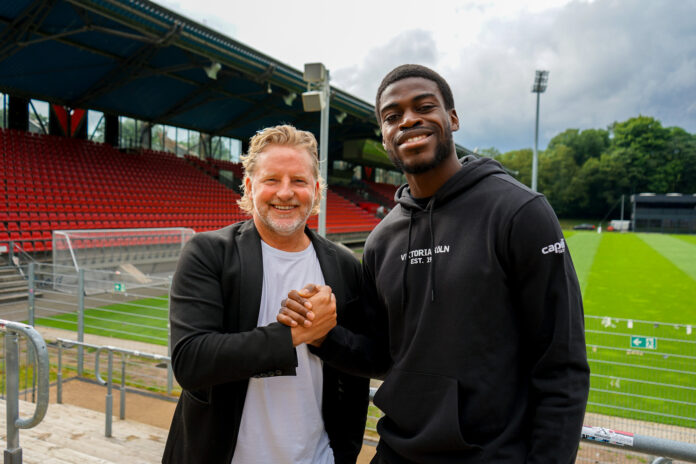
pixel 138 59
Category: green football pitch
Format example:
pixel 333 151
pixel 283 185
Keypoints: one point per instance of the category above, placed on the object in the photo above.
pixel 641 286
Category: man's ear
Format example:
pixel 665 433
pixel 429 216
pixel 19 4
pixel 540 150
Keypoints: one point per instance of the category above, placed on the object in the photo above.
pixel 247 185
pixel 454 119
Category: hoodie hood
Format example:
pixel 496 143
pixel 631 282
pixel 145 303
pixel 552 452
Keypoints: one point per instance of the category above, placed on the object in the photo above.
pixel 473 170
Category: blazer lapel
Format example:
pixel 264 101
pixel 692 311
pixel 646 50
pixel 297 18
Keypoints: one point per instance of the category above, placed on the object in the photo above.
pixel 329 265
pixel 251 278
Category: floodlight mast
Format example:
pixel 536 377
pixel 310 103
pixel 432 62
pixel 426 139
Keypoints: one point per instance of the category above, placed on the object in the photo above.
pixel 541 79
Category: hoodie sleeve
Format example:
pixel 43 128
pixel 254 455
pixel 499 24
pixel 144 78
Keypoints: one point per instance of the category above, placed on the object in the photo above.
pixel 361 349
pixel 549 302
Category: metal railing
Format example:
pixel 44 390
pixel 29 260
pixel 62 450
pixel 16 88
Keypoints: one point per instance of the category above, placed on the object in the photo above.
pixel 127 311
pixel 110 350
pixel 643 371
pixel 666 450
pixel 13 452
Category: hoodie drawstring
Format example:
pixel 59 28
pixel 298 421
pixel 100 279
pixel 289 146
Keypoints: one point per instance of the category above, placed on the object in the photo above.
pixel 430 207
pixel 432 250
pixel 408 251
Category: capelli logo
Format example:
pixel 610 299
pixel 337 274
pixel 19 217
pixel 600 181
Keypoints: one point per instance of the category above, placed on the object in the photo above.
pixel 558 247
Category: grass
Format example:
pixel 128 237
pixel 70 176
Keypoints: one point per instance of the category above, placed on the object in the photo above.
pixel 143 320
pixel 639 277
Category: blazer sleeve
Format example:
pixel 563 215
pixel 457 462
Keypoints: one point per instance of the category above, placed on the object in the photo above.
pixel 203 352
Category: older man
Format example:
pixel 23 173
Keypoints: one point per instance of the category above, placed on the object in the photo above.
pixel 253 393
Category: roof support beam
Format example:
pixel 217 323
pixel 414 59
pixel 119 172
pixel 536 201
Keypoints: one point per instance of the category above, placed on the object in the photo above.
pixel 261 110
pixel 23 27
pixel 128 69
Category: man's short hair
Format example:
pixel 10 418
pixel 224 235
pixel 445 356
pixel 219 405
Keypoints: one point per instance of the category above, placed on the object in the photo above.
pixel 414 70
pixel 283 135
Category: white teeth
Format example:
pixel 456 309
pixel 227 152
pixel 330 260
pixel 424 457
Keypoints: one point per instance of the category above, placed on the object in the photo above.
pixel 284 208
pixel 415 139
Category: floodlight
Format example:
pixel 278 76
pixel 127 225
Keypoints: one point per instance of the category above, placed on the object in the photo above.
pixel 541 79
pixel 341 117
pixel 289 98
pixel 213 69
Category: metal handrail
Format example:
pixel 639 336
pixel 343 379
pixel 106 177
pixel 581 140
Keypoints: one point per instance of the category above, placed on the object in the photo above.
pixel 13 453
pixel 109 381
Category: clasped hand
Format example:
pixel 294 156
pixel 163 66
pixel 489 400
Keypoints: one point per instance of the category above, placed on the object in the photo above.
pixel 310 313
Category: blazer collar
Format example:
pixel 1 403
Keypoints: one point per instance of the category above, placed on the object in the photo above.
pixel 251 265
pixel 328 262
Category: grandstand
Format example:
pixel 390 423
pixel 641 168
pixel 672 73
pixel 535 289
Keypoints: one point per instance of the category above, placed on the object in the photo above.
pixel 55 183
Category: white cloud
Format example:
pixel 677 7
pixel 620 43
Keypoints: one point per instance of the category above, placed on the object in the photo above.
pixel 608 59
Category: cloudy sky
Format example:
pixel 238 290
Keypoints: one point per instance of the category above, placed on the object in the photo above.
pixel 608 59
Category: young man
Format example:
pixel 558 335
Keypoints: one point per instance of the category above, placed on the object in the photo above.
pixel 473 313
pixel 252 392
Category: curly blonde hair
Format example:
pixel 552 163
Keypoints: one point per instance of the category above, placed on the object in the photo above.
pixel 284 135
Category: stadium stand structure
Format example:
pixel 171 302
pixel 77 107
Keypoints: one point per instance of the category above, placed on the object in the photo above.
pixel 384 191
pixel 55 183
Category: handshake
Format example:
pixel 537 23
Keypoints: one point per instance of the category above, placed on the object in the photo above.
pixel 310 313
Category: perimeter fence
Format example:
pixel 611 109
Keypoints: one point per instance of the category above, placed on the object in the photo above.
pixel 125 312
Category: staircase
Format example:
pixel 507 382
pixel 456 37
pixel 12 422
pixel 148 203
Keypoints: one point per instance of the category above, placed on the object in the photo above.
pixel 13 286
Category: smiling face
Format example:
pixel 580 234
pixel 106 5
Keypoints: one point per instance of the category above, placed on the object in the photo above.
pixel 416 126
pixel 283 190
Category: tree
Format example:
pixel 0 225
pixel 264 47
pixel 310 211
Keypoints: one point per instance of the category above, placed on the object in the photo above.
pixel 490 152
pixel 557 169
pixel 584 173
pixel 590 143
pixel 519 162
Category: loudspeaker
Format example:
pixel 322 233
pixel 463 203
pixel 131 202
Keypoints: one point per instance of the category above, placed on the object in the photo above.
pixel 313 100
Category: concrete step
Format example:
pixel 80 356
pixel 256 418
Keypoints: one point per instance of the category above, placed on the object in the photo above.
pixel 73 435
pixel 14 297
pixel 10 278
pixel 13 287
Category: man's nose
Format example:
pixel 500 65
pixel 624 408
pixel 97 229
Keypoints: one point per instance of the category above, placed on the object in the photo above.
pixel 285 191
pixel 410 119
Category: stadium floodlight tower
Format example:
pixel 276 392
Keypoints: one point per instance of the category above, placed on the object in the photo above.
pixel 316 98
pixel 541 80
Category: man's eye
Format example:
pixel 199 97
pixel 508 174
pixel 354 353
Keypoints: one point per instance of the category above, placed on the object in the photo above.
pixel 391 117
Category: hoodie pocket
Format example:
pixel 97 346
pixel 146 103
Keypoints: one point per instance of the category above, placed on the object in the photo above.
pixel 421 413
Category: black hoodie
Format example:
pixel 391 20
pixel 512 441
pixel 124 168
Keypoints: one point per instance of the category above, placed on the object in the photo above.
pixel 476 325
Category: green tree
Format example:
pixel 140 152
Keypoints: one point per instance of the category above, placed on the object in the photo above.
pixel 557 169
pixel 519 162
pixel 590 143
pixel 490 152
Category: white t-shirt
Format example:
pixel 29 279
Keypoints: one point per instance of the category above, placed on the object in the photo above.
pixel 281 421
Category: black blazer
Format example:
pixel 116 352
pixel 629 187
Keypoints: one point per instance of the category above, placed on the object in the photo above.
pixel 217 347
